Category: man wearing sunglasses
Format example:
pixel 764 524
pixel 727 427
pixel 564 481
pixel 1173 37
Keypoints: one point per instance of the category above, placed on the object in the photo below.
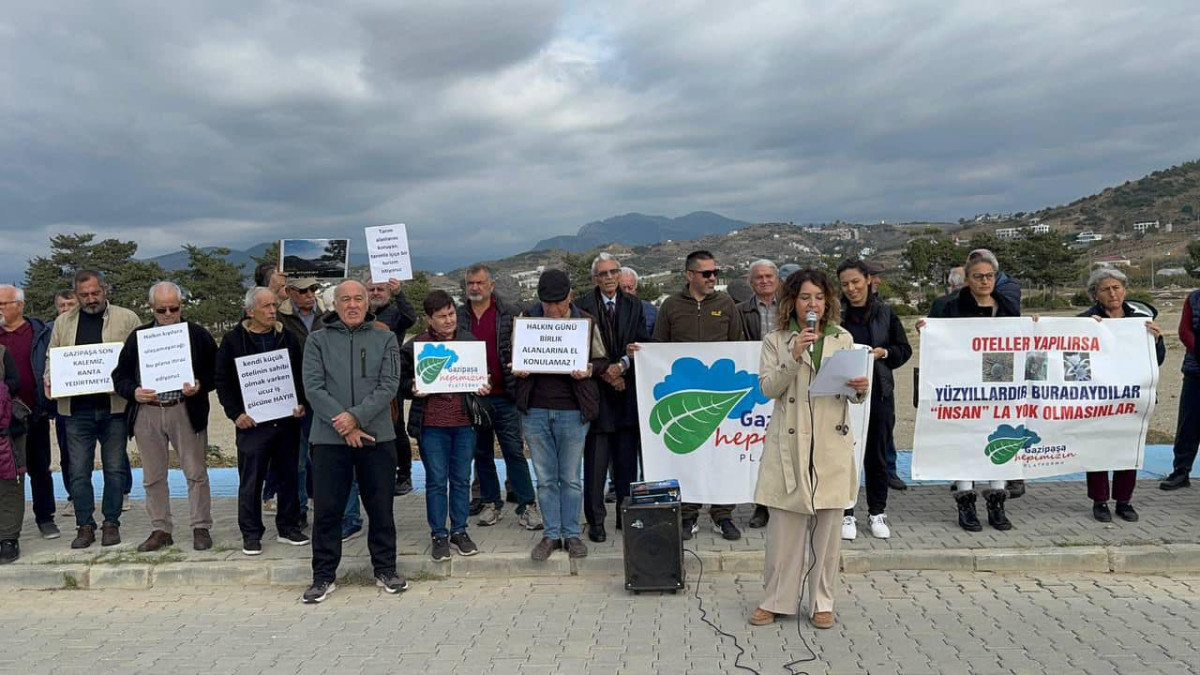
pixel 94 418
pixel 701 313
pixel 179 418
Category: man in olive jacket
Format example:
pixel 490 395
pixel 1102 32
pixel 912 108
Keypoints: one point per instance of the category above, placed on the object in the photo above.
pixel 701 314
pixel 351 374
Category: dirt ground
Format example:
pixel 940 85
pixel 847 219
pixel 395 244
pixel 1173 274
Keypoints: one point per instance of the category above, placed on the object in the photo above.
pixel 1162 423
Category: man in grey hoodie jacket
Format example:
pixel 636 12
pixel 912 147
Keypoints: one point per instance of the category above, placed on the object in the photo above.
pixel 351 373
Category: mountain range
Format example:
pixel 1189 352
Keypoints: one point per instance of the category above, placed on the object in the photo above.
pixel 632 229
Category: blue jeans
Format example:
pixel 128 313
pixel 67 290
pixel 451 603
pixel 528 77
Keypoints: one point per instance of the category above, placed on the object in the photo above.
pixel 555 440
pixel 352 516
pixel 506 423
pixel 83 432
pixel 446 453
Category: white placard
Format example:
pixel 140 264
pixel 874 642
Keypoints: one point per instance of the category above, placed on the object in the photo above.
pixel 1004 399
pixel 450 367
pixel 387 250
pixel 268 391
pixel 543 345
pixel 165 358
pixel 84 369
pixel 704 420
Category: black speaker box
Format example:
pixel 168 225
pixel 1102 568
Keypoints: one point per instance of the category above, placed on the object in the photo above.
pixel 653 547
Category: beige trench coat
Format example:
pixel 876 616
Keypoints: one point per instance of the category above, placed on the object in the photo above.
pixel 784 481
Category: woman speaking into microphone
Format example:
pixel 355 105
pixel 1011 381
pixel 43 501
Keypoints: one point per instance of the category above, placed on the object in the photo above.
pixel 807 473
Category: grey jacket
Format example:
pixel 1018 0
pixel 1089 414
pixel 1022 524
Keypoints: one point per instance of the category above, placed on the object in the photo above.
pixel 351 370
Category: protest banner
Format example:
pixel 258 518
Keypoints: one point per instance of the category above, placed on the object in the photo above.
pixel 165 358
pixel 387 251
pixel 1003 399
pixel 321 258
pixel 551 345
pixel 450 367
pixel 703 419
pixel 84 369
pixel 268 391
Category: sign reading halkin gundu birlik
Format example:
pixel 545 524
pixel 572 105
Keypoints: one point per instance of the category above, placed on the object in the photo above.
pixel 1016 398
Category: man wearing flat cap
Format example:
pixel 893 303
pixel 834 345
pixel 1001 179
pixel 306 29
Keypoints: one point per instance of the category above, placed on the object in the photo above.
pixel 556 411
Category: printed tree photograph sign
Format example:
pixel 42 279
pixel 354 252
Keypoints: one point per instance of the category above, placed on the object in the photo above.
pixel 321 258
pixel 450 367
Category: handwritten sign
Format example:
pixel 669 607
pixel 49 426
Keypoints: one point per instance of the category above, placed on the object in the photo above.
pixel 387 249
pixel 268 391
pixel 450 367
pixel 165 357
pixel 551 345
pixel 84 369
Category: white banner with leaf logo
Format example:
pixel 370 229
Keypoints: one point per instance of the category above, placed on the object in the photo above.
pixel 704 419
pixel 1003 399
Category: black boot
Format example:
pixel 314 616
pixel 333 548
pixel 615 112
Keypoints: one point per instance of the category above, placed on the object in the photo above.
pixel 995 508
pixel 966 510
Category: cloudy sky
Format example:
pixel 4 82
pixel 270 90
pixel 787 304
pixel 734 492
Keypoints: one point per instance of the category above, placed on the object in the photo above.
pixel 486 126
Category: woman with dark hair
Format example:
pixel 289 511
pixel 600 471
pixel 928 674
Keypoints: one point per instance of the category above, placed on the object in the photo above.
pixel 979 299
pixel 806 475
pixel 871 322
pixel 1107 287
pixel 441 423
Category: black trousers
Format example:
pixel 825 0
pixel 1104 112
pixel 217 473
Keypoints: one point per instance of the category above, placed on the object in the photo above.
pixel 403 452
pixel 37 459
pixel 334 467
pixel 718 512
pixel 1187 433
pixel 12 508
pixel 275 443
pixel 875 466
pixel 600 450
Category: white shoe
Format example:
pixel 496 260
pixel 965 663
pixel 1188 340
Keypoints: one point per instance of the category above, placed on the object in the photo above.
pixel 879 526
pixel 125 505
pixel 68 511
pixel 849 528
pixel 268 506
pixel 490 515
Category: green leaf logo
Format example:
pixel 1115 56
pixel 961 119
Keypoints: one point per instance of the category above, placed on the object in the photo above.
pixel 430 367
pixel 686 419
pixel 1006 442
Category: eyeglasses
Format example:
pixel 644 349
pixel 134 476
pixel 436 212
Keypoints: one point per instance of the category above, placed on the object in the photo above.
pixel 707 274
pixel 303 291
pixel 984 277
pixel 167 310
pixel 602 274
pixel 6 303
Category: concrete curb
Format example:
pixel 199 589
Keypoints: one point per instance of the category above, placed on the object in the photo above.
pixel 1147 559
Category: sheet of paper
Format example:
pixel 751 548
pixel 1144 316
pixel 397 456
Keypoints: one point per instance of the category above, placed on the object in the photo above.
pixel 165 358
pixel 387 250
pixel 450 367
pixel 551 345
pixel 268 391
pixel 85 369
pixel 836 368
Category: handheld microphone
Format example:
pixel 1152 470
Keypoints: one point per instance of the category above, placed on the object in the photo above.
pixel 810 321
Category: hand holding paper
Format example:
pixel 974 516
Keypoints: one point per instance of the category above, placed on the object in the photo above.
pixel 839 370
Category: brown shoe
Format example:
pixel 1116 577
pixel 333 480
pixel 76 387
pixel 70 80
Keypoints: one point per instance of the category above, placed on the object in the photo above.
pixel 201 539
pixel 155 541
pixel 544 548
pixel 110 534
pixel 822 620
pixel 762 617
pixel 85 536
pixel 576 548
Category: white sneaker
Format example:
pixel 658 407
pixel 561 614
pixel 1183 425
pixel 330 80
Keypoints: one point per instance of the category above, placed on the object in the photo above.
pixel 125 505
pixel 849 528
pixel 879 526
pixel 68 511
pixel 532 518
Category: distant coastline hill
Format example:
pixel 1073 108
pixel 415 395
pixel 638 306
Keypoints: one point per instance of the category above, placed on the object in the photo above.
pixel 632 229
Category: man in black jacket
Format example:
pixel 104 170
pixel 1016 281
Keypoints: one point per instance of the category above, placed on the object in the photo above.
pixel 613 435
pixel 262 442
pixel 489 318
pixel 391 307
pixel 178 418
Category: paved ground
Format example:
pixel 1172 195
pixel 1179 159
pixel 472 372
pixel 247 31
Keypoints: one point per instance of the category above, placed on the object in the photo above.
pixel 916 622
pixel 1050 516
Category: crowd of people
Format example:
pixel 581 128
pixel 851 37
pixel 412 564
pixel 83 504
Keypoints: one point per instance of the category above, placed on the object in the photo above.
pixel 347 442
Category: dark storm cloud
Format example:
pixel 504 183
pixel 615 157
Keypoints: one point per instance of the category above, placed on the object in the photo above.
pixel 487 126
